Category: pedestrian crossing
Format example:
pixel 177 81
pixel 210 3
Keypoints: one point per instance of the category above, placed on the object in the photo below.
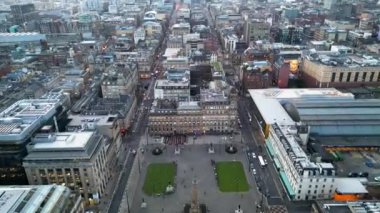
pixel 278 209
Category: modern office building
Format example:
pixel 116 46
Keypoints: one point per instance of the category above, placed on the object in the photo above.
pixel 75 159
pixel 17 124
pixel 33 199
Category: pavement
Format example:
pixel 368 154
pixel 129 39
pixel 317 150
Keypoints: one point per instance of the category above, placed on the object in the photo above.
pixel 194 163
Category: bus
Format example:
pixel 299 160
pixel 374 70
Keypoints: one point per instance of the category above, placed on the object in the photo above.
pixel 261 160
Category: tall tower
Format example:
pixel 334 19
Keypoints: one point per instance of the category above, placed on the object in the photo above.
pixel 194 199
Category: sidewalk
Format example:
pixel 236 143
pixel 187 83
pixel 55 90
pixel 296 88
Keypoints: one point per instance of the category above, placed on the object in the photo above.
pixel 110 190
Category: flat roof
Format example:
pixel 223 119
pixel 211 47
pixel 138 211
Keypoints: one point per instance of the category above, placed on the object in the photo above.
pixel 167 83
pixel 271 110
pixel 78 120
pixel 66 140
pixel 304 94
pixel 171 52
pixel 25 116
pixel 32 198
pixel 350 186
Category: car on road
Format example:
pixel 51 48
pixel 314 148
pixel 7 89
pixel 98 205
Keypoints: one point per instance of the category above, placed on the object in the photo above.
pixel 251 166
pixel 254 171
pixel 253 155
pixel 352 174
pixel 377 179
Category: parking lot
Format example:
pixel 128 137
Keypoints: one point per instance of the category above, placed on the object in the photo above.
pixel 355 162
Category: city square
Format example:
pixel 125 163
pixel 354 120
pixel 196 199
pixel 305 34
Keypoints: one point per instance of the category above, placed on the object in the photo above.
pixel 194 164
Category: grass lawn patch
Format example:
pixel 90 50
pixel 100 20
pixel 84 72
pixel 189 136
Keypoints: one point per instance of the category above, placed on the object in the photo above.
pixel 231 177
pixel 158 176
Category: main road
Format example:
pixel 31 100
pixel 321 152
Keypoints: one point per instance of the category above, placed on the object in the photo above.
pixel 267 178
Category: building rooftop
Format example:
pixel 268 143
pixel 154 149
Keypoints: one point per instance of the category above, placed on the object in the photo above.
pixel 328 206
pixel 22 118
pixel 45 198
pixel 342 56
pixel 190 105
pixel 355 186
pixel 61 141
pixel 162 83
pixel 270 108
pixel 302 94
pixel 82 120
pixel 63 146
pixel 21 37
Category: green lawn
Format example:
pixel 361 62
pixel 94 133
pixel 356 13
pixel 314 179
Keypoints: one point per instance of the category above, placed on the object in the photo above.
pixel 231 177
pixel 158 177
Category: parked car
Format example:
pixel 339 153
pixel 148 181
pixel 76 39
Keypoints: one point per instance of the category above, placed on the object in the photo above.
pixel 352 174
pixel 363 174
pixel 377 179
pixel 251 166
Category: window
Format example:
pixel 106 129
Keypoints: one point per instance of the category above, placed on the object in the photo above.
pixel 308 191
pixel 378 77
pixel 364 76
pixel 330 191
pixel 317 180
pixel 323 186
pixel 315 191
pixel 333 77
pixel 340 77
pixel 348 77
pixel 324 180
pixel 299 191
pixel 322 191
pixel 356 77
pixel 371 76
pixel 316 186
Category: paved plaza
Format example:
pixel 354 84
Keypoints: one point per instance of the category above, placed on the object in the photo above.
pixel 194 162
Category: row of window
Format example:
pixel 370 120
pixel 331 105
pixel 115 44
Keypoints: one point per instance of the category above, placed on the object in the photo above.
pixel 315 191
pixel 356 77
